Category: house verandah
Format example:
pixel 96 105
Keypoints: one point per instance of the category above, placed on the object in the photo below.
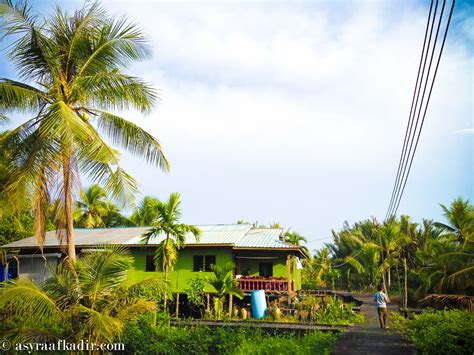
pixel 261 258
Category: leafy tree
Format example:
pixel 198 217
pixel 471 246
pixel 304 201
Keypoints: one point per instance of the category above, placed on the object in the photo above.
pixel 86 300
pixel 71 67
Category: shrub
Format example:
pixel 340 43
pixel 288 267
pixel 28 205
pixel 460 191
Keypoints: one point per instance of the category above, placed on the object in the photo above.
pixel 440 332
pixel 143 338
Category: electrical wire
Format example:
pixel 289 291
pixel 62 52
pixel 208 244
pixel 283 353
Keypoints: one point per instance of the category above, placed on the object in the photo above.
pixel 407 155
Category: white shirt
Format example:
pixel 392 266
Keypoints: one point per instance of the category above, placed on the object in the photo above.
pixel 381 299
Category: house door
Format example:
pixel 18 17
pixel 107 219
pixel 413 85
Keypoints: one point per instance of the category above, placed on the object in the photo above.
pixel 266 269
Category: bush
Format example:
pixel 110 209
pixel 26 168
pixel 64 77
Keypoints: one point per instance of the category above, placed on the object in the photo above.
pixel 440 332
pixel 143 338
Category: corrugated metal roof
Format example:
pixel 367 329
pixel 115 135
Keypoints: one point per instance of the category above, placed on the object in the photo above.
pixel 237 235
pixel 263 238
pixel 210 234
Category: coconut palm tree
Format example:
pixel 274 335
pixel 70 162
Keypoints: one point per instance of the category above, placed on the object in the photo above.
pixel 225 284
pixel 73 82
pixel 146 213
pixel 94 210
pixel 295 238
pixel 460 220
pixel 91 208
pixel 86 300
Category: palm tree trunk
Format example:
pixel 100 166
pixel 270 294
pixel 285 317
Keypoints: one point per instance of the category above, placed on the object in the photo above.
pixel 71 248
pixel 177 305
pixel 405 295
pixel 231 298
pixel 382 259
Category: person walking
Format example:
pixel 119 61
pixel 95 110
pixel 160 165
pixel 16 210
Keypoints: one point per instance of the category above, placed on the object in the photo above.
pixel 381 300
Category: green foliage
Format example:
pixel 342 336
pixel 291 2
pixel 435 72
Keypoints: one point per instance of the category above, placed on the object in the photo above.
pixel 174 233
pixel 415 259
pixel 440 332
pixel 71 65
pixel 141 338
pixel 195 291
pixel 86 300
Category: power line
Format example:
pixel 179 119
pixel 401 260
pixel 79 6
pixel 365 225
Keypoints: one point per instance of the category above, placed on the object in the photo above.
pixel 407 156
pixel 412 136
pixel 428 100
pixel 410 120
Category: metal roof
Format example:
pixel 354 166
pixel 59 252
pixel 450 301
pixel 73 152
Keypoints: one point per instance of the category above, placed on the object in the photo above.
pixel 235 235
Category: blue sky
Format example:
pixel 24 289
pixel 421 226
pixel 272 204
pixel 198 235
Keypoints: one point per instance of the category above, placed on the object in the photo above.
pixel 295 112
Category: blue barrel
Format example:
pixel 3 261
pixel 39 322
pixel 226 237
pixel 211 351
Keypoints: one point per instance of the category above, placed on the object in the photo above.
pixel 2 273
pixel 259 304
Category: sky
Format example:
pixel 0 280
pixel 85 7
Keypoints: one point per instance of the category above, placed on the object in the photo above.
pixel 295 112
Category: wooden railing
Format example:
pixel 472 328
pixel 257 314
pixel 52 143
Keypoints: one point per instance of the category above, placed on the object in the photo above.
pixel 275 286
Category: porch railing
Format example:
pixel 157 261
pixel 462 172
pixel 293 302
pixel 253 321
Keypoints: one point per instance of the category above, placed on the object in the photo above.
pixel 275 286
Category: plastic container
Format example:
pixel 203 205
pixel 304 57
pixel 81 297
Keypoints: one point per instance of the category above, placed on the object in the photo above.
pixel 259 304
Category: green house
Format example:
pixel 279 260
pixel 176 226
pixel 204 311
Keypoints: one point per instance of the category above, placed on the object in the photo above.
pixel 262 259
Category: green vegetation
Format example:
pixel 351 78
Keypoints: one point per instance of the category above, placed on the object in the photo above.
pixel 167 225
pixel 142 338
pixel 73 85
pixel 224 283
pixel 410 258
pixel 440 332
pixel 86 300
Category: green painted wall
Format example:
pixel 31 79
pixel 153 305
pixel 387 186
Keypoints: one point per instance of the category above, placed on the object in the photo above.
pixel 183 271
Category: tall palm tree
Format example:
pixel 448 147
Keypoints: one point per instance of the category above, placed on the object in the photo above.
pixel 174 233
pixel 71 67
pixel 86 300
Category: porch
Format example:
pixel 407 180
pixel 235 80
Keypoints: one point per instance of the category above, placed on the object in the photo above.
pixel 272 285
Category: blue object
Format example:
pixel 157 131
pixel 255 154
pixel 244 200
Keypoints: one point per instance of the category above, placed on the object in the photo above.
pixel 259 304
pixel 2 273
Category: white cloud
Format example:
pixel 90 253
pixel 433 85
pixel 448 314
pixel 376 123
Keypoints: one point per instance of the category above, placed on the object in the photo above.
pixel 297 113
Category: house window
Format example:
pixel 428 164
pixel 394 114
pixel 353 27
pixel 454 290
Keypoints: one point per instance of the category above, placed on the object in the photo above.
pixel 203 262
pixel 150 263
pixel 265 269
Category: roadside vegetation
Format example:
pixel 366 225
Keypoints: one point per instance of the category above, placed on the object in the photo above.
pixel 439 332
pixel 144 338
pixel 410 259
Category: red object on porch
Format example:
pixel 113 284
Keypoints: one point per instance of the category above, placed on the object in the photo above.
pixel 270 285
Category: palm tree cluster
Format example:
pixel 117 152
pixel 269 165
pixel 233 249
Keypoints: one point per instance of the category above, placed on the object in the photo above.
pixel 71 67
pixel 431 257
pixel 86 300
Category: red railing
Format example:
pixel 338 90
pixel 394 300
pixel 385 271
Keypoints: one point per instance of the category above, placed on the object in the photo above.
pixel 276 286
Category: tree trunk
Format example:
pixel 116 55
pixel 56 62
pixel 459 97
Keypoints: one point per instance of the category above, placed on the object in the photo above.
pixel 389 278
pixel 382 259
pixel 231 299
pixel 69 219
pixel 405 295
pixel 165 298
pixel 177 305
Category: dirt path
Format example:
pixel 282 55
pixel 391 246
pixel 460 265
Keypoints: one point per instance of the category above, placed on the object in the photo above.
pixel 368 338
